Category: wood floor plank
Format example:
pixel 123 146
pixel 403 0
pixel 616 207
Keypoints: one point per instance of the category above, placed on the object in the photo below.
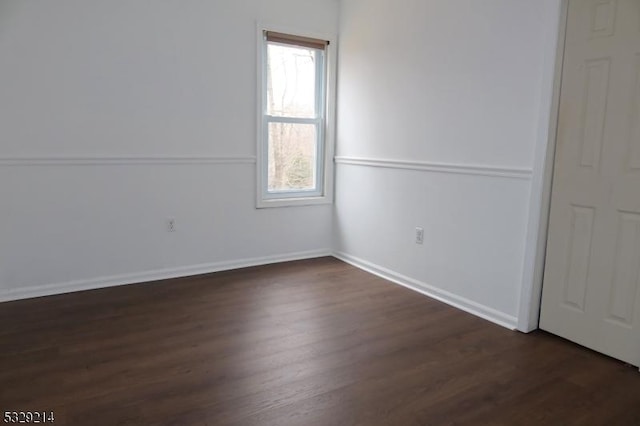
pixel 313 342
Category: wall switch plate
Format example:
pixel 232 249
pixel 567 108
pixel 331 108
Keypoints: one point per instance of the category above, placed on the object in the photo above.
pixel 419 235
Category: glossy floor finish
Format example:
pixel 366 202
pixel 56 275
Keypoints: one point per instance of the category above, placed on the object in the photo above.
pixel 314 342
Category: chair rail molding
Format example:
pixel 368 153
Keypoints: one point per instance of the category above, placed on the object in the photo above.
pixel 457 168
pixel 125 160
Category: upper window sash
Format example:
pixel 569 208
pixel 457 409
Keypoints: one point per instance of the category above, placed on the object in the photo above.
pixel 320 72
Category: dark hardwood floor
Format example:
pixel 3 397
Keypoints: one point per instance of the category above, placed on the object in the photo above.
pixel 313 342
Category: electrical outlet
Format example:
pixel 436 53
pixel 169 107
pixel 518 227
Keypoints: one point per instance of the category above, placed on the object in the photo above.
pixel 171 225
pixel 419 235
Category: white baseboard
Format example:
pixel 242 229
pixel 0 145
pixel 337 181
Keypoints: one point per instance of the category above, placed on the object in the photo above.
pixel 466 305
pixel 160 274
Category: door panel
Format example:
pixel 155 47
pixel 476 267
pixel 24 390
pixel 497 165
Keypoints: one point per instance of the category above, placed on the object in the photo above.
pixel 592 273
pixel 594 110
pixel 626 272
pixel 578 256
pixel 634 132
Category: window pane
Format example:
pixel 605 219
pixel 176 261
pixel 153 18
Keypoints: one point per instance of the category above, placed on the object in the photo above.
pixel 292 157
pixel 291 81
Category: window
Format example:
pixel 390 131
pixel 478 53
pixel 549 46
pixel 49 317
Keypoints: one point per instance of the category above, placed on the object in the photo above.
pixel 293 161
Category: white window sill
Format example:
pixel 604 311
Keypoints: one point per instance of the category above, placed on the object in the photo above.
pixel 293 202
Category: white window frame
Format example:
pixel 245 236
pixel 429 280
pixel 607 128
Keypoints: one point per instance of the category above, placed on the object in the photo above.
pixel 326 127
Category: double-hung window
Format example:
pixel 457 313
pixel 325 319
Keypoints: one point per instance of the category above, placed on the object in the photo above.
pixel 292 151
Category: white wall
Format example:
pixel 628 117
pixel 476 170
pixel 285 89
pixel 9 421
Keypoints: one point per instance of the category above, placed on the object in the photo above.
pixel 442 109
pixel 117 115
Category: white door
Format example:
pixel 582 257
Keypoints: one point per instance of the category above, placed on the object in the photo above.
pixel 591 286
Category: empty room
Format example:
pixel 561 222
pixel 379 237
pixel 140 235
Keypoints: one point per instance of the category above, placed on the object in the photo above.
pixel 320 212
